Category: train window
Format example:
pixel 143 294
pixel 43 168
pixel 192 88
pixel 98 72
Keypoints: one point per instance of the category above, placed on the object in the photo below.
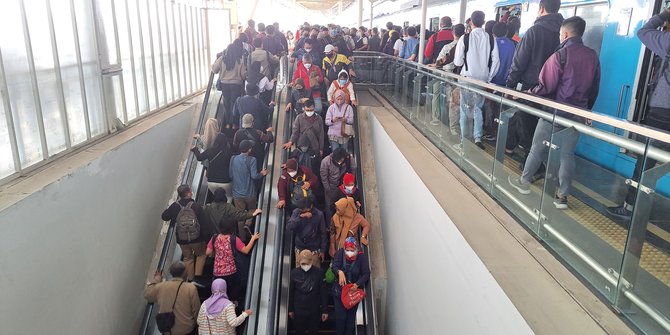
pixel 567 11
pixel 596 20
pixel 503 13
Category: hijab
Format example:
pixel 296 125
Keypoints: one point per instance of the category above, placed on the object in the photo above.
pixel 345 211
pixel 340 93
pixel 218 301
pixel 351 243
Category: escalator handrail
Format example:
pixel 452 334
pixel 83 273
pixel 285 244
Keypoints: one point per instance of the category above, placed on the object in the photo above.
pixel 186 176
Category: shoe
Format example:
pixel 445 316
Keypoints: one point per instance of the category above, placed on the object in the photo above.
pixel 561 202
pixel 480 144
pixel 489 138
pixel 619 212
pixel 518 184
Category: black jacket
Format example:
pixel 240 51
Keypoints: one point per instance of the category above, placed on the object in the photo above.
pixel 309 233
pixel 308 293
pixel 219 163
pixel 217 214
pixel 170 214
pixel 540 41
pixel 357 271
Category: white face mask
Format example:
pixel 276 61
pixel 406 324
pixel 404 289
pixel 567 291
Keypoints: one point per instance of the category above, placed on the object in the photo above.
pixel 307 66
pixel 309 114
pixel 293 173
pixel 306 267
pixel 349 189
pixel 350 253
pixel 308 50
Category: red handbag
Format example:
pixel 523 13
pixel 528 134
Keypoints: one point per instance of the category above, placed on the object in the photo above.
pixel 350 299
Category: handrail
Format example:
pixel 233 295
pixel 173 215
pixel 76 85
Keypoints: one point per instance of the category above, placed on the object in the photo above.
pixel 369 306
pixel 626 125
pixel 169 236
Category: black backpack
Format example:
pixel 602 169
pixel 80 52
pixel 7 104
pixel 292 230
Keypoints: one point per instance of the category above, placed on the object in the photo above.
pixel 437 47
pixel 466 43
pixel 301 198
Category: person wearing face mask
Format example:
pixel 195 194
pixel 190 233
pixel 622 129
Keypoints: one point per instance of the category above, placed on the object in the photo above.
pixel 332 170
pixel 299 95
pixel 306 48
pixel 308 137
pixel 313 78
pixel 307 296
pixel 333 63
pixel 348 189
pixel 351 266
pixel 342 83
pixel 292 175
pixel 360 40
pixel 570 76
pixel 308 226
pixel 338 115
pixel 346 222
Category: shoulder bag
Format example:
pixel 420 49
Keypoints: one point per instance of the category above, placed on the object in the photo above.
pixel 165 321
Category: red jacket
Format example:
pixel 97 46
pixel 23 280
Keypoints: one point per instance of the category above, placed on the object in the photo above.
pixel 442 35
pixel 283 183
pixel 302 72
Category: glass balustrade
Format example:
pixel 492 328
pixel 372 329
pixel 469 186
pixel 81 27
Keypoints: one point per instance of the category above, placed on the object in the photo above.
pixel 560 182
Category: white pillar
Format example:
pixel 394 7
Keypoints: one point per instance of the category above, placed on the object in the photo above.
pixel 371 15
pixel 360 12
pixel 464 8
pixel 422 36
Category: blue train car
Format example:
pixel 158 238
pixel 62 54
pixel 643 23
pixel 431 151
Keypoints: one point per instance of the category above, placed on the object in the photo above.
pixel 611 31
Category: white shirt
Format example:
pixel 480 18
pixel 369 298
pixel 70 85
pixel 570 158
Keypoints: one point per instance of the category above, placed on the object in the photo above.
pixel 478 56
pixel 443 54
pixel 398 45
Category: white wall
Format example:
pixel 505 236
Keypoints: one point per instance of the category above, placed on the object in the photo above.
pixel 74 256
pixel 436 282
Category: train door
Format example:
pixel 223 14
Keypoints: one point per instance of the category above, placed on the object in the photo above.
pixel 647 72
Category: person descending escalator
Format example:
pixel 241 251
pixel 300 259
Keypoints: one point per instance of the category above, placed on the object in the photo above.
pixel 308 136
pixel 217 314
pixel 299 95
pixel 332 170
pixel 342 83
pixel 308 226
pixel 339 119
pixel 351 266
pixel 292 175
pixel 308 296
pixel 345 223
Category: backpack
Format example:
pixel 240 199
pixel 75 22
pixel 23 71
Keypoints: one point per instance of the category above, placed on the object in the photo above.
pixel 437 47
pixel 300 198
pixel 187 225
pixel 344 89
pixel 466 43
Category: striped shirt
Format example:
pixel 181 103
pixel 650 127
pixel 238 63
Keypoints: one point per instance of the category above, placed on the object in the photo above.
pixel 222 324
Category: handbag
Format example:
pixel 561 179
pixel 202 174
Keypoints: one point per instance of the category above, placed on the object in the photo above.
pixel 348 130
pixel 329 277
pixel 350 299
pixel 165 321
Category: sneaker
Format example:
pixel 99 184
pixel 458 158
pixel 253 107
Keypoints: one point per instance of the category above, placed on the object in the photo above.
pixel 619 212
pixel 561 202
pixel 518 184
pixel 489 138
pixel 480 144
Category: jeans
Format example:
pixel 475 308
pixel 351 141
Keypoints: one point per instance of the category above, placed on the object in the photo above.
pixel 334 145
pixel 345 320
pixel 194 258
pixel 248 204
pixel 229 93
pixel 538 151
pixel 471 109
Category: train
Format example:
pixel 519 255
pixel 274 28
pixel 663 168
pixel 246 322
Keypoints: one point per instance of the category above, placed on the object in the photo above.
pixel 612 26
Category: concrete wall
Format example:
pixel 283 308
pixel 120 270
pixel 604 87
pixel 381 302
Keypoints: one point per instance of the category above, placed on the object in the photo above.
pixel 436 282
pixel 74 255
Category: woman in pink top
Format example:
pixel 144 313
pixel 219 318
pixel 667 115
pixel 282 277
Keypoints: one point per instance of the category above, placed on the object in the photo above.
pixel 221 248
pixel 339 114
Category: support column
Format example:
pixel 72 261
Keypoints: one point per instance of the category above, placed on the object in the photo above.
pixel 464 8
pixel 371 15
pixel 360 12
pixel 422 35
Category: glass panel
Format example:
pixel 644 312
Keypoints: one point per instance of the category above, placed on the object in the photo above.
pixel 186 40
pixel 173 16
pixel 646 279
pixel 167 65
pixel 148 60
pixel 115 95
pixel 596 20
pixel 19 84
pixel 89 57
pixel 107 32
pixel 74 102
pixel 127 62
pixel 6 158
pixel 157 57
pixel 567 11
pixel 183 65
pixel 140 76
pixel 49 91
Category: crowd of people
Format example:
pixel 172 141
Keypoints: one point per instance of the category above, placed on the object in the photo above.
pixel 316 189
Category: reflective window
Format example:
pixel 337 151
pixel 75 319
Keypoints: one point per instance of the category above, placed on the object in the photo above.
pixel 596 20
